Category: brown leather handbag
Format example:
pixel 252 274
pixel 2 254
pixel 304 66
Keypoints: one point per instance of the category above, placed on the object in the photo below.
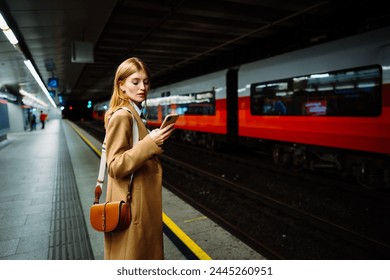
pixel 113 215
pixel 110 216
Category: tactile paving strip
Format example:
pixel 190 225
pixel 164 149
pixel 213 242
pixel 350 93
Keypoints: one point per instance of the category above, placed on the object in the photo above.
pixel 69 238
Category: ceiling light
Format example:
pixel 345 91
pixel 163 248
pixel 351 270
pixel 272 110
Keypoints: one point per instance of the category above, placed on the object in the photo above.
pixel 7 31
pixel 3 23
pixel 31 97
pixel 11 36
pixel 39 81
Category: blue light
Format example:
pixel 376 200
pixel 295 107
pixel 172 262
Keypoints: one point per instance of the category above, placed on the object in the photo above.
pixel 52 82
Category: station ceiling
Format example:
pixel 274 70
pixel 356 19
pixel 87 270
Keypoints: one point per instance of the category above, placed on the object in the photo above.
pixel 178 39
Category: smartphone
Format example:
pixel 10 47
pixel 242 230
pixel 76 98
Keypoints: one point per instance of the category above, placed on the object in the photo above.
pixel 170 118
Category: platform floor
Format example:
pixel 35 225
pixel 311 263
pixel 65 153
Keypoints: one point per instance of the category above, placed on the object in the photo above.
pixel 47 181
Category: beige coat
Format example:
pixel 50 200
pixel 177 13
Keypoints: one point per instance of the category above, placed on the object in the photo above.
pixel 144 238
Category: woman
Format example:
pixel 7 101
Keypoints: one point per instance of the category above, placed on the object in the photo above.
pixel 144 238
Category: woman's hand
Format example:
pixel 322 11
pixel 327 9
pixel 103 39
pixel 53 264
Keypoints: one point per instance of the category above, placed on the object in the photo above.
pixel 160 135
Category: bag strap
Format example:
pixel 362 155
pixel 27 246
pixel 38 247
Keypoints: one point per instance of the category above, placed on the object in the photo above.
pixel 103 162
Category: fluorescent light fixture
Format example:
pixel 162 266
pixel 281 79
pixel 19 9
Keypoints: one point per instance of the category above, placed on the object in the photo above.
pixel 319 76
pixel 11 36
pixel 39 81
pixel 7 31
pixel 3 23
pixel 32 97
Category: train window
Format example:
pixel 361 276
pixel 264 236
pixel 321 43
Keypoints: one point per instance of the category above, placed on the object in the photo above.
pixel 270 98
pixel 199 103
pixel 203 103
pixel 351 92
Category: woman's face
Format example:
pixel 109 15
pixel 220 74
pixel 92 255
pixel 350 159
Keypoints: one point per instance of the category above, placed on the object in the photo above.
pixel 136 87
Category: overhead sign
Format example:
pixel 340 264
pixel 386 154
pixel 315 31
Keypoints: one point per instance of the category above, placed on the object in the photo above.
pixel 52 82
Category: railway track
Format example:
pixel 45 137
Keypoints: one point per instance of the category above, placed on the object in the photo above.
pixel 227 203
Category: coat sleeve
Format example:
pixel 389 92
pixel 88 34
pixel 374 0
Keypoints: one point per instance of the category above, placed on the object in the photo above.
pixel 122 159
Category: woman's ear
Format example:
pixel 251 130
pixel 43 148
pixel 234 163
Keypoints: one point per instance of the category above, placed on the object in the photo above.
pixel 121 86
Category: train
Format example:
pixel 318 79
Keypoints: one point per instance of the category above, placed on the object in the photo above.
pixel 322 107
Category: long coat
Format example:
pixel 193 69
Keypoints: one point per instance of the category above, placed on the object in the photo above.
pixel 143 240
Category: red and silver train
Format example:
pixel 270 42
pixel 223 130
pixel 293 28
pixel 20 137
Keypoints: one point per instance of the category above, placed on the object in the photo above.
pixel 326 106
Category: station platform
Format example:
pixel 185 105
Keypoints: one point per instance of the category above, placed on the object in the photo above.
pixel 47 181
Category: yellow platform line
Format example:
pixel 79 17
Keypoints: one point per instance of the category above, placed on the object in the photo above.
pixel 196 250
pixel 96 150
pixel 202 255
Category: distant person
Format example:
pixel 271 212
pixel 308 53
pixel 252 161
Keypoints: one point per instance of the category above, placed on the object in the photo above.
pixel 28 121
pixel 143 240
pixel 274 107
pixel 33 125
pixel 280 108
pixel 42 118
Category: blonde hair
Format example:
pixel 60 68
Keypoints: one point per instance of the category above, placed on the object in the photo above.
pixel 124 70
